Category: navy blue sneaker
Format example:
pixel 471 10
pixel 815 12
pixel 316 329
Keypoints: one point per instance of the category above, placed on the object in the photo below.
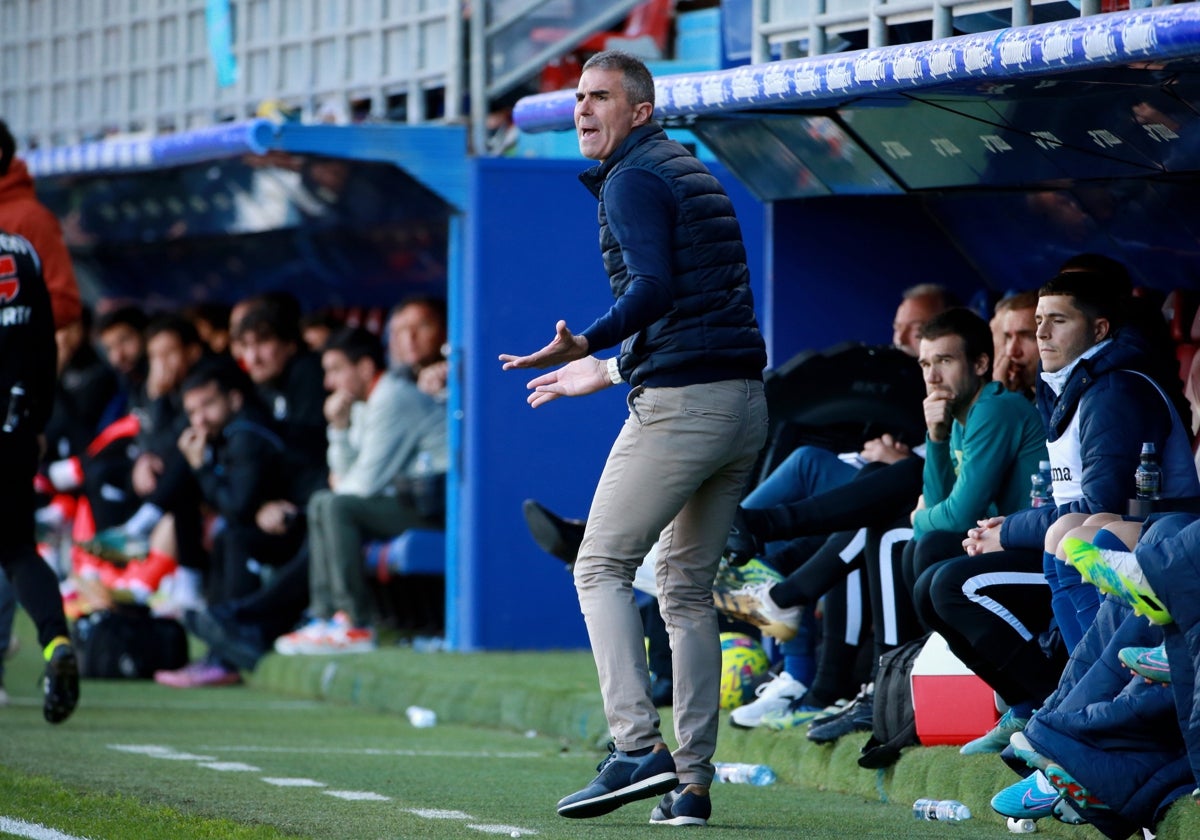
pixel 682 807
pixel 623 778
pixel 859 716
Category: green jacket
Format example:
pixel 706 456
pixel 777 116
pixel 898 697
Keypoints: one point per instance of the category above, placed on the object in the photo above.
pixel 984 469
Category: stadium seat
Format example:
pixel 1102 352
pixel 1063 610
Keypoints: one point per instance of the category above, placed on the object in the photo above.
pixel 415 552
pixel 645 33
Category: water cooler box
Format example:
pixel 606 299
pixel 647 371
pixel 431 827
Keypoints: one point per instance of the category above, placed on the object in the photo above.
pixel 951 704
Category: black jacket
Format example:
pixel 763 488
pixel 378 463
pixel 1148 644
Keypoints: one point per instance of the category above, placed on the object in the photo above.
pixel 28 354
pixel 249 465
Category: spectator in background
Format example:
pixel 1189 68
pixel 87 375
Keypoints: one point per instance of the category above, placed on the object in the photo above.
pixel 158 480
pixel 121 337
pixel 242 467
pixel 917 305
pixel 287 304
pixel 1014 332
pixel 287 376
pixel 236 313
pixel 316 328
pixel 417 341
pixel 382 429
pixel 211 321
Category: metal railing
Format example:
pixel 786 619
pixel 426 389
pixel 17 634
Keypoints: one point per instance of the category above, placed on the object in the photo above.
pixel 76 70
pixel 796 28
pixel 82 70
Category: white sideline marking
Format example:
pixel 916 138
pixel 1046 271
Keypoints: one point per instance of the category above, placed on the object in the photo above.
pixel 371 751
pixel 510 830
pixel 209 762
pixel 156 751
pixel 191 706
pixel 230 767
pixel 283 781
pixel 437 814
pixel 358 795
pixel 35 831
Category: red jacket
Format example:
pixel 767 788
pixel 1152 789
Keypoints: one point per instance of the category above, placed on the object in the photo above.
pixel 22 213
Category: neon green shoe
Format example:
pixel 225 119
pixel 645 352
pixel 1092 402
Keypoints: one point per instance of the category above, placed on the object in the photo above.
pixel 753 571
pixel 1117 573
pixel 794 716
pixel 116 545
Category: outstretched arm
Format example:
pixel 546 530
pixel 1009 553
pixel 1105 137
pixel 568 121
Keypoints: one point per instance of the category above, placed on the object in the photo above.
pixel 566 347
pixel 580 377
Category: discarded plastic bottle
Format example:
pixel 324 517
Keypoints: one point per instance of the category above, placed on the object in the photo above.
pixel 420 717
pixel 942 810
pixel 744 774
pixel 428 644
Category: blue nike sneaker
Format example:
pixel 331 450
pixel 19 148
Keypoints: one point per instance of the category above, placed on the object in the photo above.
pixel 1031 798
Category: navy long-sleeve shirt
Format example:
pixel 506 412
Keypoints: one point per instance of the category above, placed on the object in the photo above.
pixel 646 250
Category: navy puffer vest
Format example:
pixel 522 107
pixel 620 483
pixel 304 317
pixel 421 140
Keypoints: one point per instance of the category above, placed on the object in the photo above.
pixel 711 332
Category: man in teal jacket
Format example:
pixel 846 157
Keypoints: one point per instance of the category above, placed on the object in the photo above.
pixel 983 442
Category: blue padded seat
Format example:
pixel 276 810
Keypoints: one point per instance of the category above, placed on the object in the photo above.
pixel 415 552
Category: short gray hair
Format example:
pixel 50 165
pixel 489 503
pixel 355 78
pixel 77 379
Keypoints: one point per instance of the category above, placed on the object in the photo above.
pixel 636 79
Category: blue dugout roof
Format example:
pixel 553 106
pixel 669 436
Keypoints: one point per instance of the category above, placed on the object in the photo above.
pixel 1101 98
pixel 1080 44
pixel 433 155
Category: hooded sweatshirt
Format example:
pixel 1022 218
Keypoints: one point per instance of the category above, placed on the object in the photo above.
pixel 22 213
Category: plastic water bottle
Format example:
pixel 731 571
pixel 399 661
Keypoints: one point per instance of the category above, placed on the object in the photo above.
pixel 744 774
pixel 420 717
pixel 942 810
pixel 1149 477
pixel 1041 493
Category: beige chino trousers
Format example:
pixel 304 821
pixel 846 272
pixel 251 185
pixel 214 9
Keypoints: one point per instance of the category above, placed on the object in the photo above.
pixel 675 475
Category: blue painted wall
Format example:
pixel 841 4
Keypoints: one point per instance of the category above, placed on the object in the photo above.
pixel 840 265
pixel 532 257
